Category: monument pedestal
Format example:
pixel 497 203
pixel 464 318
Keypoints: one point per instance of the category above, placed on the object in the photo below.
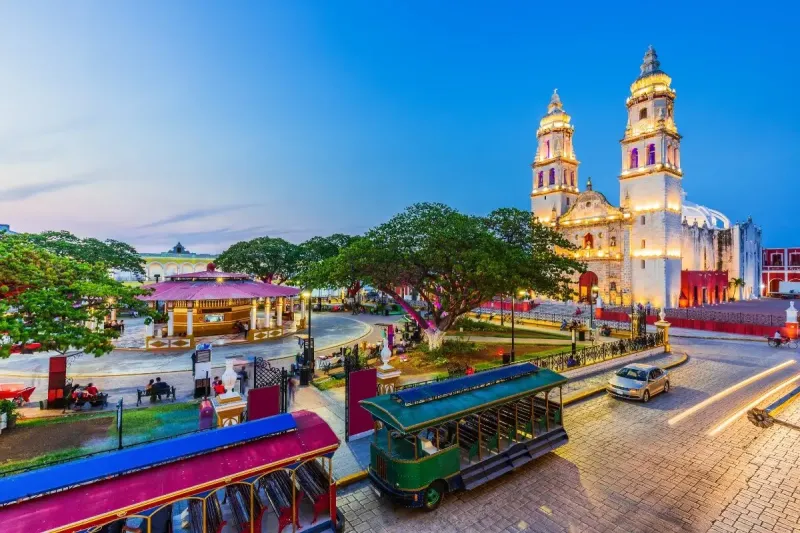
pixel 662 326
pixel 387 379
pixel 229 408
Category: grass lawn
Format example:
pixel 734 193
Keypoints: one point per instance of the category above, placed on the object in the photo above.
pixel 518 333
pixel 40 441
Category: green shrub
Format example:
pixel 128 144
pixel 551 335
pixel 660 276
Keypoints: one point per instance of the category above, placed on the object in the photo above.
pixel 450 348
pixel 470 324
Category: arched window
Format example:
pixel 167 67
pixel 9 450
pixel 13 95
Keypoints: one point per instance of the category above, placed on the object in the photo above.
pixel 642 113
pixel 588 241
pixel 541 178
pixel 634 158
pixel 670 158
pixel 644 220
pixel 651 154
pixel 572 177
pixel 552 178
pixel 613 286
pixel 613 242
pixel 677 157
pixel 565 181
pixel 567 202
pixel 547 149
pixel 644 244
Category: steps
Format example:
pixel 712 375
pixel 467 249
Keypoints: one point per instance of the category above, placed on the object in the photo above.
pixel 512 458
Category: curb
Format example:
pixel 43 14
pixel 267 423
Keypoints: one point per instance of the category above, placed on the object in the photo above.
pixel 362 475
pixel 351 478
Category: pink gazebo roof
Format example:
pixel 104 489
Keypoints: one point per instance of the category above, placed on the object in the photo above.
pixel 212 290
pixel 208 274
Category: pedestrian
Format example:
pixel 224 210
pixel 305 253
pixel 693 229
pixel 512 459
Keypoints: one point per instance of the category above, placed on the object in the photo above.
pixel 292 385
pixel 243 380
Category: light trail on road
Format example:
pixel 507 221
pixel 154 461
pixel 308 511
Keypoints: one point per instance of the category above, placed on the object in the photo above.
pixel 749 406
pixel 708 401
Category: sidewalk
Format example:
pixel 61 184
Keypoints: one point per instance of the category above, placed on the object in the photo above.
pixel 703 334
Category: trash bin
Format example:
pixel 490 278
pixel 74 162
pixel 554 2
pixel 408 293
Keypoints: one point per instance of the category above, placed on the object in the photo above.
pixel 506 358
pixel 305 375
pixel 206 415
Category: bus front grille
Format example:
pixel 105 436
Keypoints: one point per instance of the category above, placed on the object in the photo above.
pixel 381 466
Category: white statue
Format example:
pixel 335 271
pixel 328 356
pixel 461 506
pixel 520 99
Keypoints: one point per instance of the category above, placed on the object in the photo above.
pixel 229 376
pixel 386 354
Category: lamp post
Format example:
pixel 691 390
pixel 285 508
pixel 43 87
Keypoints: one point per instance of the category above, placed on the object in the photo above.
pixel 307 296
pixel 592 296
pixel 513 304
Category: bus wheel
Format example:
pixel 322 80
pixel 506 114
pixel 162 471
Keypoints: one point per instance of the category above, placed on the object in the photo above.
pixel 433 496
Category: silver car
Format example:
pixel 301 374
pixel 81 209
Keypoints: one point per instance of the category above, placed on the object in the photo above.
pixel 638 382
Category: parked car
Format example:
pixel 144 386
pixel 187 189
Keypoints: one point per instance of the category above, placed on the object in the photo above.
pixel 638 382
pixel 29 347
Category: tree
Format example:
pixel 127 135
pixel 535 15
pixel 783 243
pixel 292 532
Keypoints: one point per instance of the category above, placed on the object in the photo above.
pixel 322 267
pixel 113 254
pixel 272 260
pixel 457 261
pixel 55 300
pixel 734 283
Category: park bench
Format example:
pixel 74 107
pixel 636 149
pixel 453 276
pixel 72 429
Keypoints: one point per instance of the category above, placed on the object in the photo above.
pixel 156 392
pixel 99 400
pixel 314 483
pixel 278 488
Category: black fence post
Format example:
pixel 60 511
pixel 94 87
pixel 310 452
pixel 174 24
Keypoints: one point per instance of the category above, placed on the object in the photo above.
pixel 119 423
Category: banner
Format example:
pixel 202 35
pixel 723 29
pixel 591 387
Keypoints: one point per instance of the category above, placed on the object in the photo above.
pixel 263 402
pixel 363 384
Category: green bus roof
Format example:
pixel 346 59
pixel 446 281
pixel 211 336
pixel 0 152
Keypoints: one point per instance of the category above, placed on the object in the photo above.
pixel 408 416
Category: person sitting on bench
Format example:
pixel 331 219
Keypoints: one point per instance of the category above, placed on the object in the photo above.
pixel 92 391
pixel 159 388
pixel 219 388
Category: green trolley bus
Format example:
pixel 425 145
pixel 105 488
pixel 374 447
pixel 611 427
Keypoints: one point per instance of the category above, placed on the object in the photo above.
pixel 463 432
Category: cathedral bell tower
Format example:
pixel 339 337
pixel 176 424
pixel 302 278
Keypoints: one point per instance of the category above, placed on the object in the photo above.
pixel 651 184
pixel 555 169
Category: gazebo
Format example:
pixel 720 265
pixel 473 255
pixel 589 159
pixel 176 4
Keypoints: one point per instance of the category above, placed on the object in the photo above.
pixel 217 303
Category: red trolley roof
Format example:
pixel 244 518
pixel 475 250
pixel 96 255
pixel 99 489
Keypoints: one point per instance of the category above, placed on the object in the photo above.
pixel 103 500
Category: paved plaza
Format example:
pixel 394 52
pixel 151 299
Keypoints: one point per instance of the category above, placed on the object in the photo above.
pixel 626 469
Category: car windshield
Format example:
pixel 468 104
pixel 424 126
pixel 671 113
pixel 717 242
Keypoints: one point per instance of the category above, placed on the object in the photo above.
pixel 633 373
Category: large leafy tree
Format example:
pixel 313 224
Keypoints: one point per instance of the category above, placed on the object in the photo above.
pixel 113 254
pixel 55 299
pixel 272 260
pixel 323 266
pixel 457 261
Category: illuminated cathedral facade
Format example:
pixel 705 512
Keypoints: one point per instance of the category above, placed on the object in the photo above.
pixel 655 247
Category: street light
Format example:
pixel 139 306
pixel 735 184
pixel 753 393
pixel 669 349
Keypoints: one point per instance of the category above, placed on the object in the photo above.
pixel 592 296
pixel 308 355
pixel 521 293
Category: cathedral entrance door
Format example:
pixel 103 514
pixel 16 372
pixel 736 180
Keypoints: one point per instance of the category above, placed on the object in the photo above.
pixel 585 283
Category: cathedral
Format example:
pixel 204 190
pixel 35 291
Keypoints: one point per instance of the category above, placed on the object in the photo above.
pixel 655 247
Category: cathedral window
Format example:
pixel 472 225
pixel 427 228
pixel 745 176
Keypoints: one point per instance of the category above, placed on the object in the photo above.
pixel 588 241
pixel 612 286
pixel 651 154
pixel 572 177
pixel 670 156
pixel 644 244
pixel 642 113
pixel 541 178
pixel 552 178
pixel 634 158
pixel 643 219
pixel 642 263
pixel 613 242
pixel 547 149
pixel 565 178
pixel 567 202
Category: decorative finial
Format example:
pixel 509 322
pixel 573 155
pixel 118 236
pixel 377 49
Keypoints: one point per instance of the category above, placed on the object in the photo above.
pixel 589 184
pixel 651 63
pixel 555 103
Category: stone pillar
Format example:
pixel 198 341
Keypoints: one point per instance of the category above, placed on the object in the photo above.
pixel 268 311
pixel 189 319
pixel 662 326
pixel 170 321
pixel 387 374
pixel 253 315
pixel 149 329
pixel 791 321
pixel 113 314
pixel 279 313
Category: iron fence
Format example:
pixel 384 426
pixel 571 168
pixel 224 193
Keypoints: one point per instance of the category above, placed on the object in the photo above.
pixel 557 319
pixel 713 315
pixel 581 357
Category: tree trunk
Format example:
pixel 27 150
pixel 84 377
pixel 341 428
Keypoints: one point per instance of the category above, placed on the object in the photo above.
pixel 435 337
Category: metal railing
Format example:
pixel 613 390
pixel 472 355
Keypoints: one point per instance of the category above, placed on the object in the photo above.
pixel 713 315
pixel 556 319
pixel 581 357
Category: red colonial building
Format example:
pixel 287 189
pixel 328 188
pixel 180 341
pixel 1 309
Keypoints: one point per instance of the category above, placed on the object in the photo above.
pixel 778 264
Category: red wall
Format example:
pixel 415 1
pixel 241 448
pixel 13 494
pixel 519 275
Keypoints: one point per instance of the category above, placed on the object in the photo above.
pixel 518 306
pixel 706 325
pixel 715 283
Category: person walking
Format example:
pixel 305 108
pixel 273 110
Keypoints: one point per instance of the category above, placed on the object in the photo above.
pixel 292 385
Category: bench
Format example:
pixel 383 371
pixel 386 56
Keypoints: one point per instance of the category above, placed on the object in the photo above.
pixel 100 400
pixel 313 481
pixel 156 393
pixel 278 488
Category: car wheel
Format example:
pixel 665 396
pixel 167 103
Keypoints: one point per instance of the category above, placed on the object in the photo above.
pixel 666 386
pixel 433 496
pixel 646 396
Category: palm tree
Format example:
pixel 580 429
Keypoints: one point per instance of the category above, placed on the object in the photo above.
pixel 737 282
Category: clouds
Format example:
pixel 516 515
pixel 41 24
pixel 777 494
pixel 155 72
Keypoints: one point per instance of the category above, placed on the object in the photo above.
pixel 196 214
pixel 26 192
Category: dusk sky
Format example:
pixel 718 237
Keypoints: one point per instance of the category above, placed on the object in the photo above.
pixel 212 122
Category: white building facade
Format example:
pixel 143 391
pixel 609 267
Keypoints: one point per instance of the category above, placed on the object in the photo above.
pixel 641 251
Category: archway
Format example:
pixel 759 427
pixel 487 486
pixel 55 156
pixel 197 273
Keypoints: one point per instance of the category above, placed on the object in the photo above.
pixel 774 285
pixel 585 283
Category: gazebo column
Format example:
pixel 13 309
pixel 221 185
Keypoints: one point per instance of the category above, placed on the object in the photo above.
pixel 170 320
pixel 302 308
pixel 279 313
pixel 253 314
pixel 268 311
pixel 189 318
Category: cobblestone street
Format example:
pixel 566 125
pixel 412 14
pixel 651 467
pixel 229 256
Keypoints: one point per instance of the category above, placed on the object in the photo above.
pixel 626 469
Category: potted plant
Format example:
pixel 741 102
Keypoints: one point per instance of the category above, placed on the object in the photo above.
pixel 11 410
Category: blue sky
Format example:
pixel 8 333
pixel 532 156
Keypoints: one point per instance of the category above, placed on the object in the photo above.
pixel 212 122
